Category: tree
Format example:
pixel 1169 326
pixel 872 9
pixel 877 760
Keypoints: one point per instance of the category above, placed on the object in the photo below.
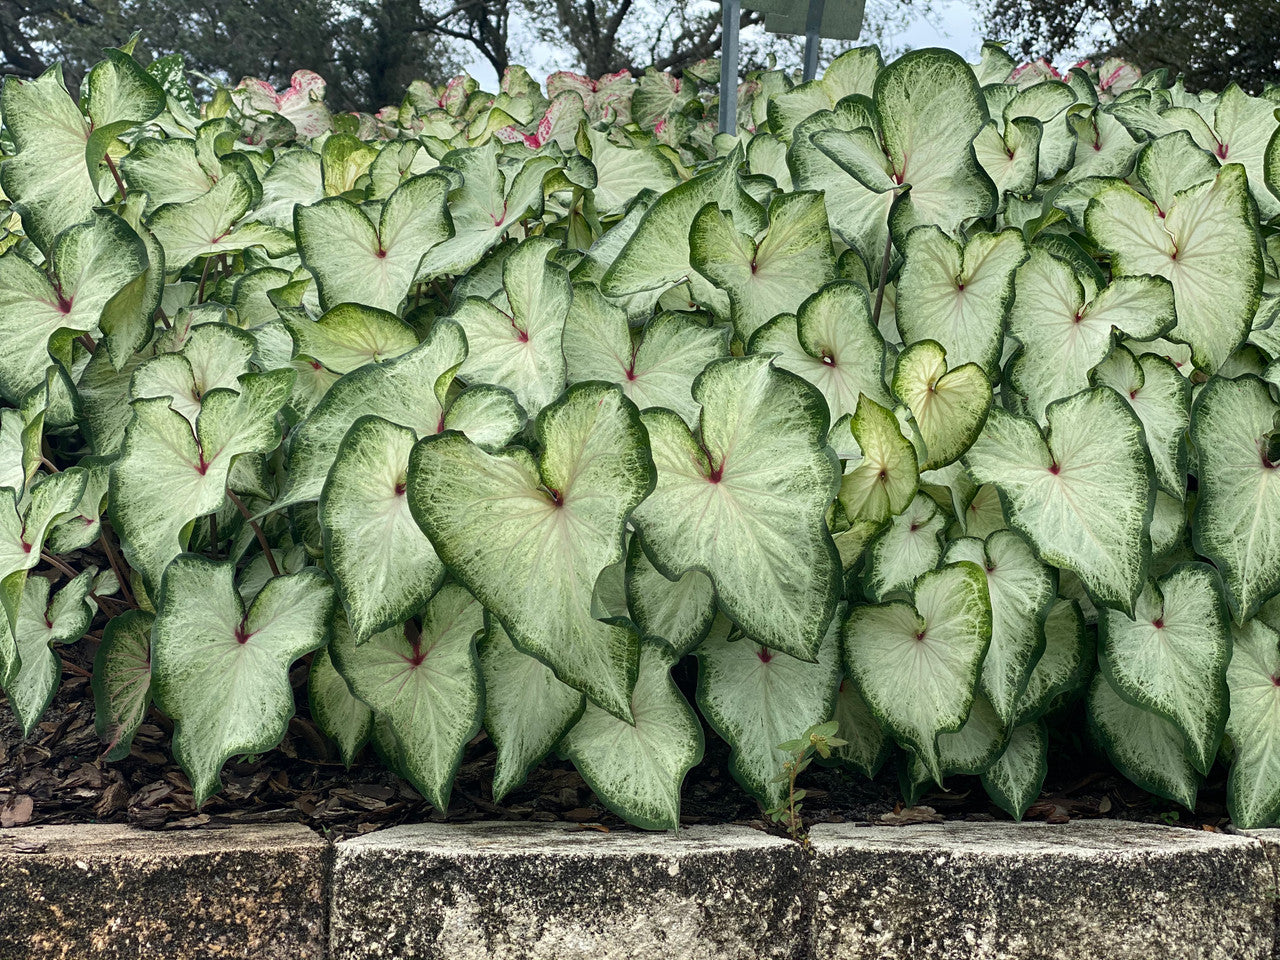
pixel 1209 42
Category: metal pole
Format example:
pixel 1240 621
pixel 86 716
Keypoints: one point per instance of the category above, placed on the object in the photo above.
pixel 812 26
pixel 731 11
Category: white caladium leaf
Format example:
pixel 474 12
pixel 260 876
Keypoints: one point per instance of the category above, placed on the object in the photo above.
pixel 1253 724
pixel 531 539
pixel 340 714
pixel 968 751
pixel 678 613
pixel 657 255
pixel 1010 159
pixel 1205 245
pixel 757 698
pixel 1242 127
pixel 1271 164
pixel 425 684
pixel 917 664
pixel 351 335
pixel 122 681
pixel 1171 658
pixel 169 474
pixel 1083 496
pixel 1022 591
pixel 886 476
pixel 411 391
pixel 745 501
pixel 949 407
pixel 521 349
pixel 527 710
pixel 866 746
pixel 1143 745
pixel 211 224
pixel 355 260
pixel 24 523
pixel 767 273
pixel 383 566
pixel 655 368
pixel 166 171
pixel 1161 397
pixel 92 262
pixel 29 667
pixel 48 180
pixel 1237 517
pixel 221 672
pixel 833 344
pixel 623 171
pixel 20 449
pixel 637 768
pixel 1066 332
pixel 492 198
pixel 214 356
pixel 1104 146
pixel 959 295
pixel 1013 782
pixel 909 547
pixel 930 110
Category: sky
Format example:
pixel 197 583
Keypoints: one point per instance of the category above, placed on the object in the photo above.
pixel 952 24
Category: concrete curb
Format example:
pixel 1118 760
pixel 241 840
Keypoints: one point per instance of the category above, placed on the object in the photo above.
pixel 508 891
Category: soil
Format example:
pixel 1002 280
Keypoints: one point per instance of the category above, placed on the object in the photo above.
pixel 57 775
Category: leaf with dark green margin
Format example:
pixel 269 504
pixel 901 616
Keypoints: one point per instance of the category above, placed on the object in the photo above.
pixel 1013 782
pixel 23 527
pixel 122 681
pixel 1253 724
pixel 949 407
pixel 340 715
pixel 884 479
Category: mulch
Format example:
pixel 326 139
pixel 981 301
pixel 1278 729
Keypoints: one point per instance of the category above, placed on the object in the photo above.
pixel 57 776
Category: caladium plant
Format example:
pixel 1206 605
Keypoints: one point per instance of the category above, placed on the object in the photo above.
pixel 936 398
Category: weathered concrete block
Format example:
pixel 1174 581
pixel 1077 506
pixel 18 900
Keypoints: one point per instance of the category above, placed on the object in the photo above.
pixel 1100 890
pixel 105 892
pixel 520 891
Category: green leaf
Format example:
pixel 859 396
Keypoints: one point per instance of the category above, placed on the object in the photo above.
pixel 1171 658
pixel 93 262
pixel 756 698
pixel 909 547
pixel 211 224
pixel 337 711
pixel 356 261
pixel 1084 496
pixel 886 476
pixel 959 295
pixel 679 613
pixel 520 350
pixel 122 681
pixel 527 710
pixel 1161 397
pixel 411 391
pixel 166 171
pixel 767 273
pixel 949 407
pixel 47 180
pixel 1066 326
pixel 426 686
pixel 636 768
pixel 917 664
pixel 1205 245
pixel 384 568
pixel 656 368
pixel 351 335
pixel 530 539
pixel 833 344
pixel 1013 782
pixel 24 522
pixel 29 666
pixel 1253 786
pixel 1144 746
pixel 118 95
pixel 221 673
pixel 1022 592
pixel 745 501
pixel 866 746
pixel 168 474
pixel 1236 523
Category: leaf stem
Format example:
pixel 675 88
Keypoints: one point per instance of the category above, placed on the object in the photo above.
pixel 116 566
pixel 53 561
pixel 213 534
pixel 884 275
pixel 111 165
pixel 204 275
pixel 89 343
pixel 257 531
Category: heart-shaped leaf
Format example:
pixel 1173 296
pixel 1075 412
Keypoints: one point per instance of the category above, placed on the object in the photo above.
pixel 1161 397
pixel 917 664
pixel 527 710
pixel 531 539
pixel 24 522
pixel 1253 787
pixel 221 673
pixel 745 501
pixel 122 681
pixel 215 223
pixel 636 768
pixel 909 547
pixel 1237 517
pixel 885 478
pixel 344 718
pixel 425 685
pixel 1083 496
pixel 949 407
pixel 866 746
pixel 678 613
pixel 1013 782
pixel 350 336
